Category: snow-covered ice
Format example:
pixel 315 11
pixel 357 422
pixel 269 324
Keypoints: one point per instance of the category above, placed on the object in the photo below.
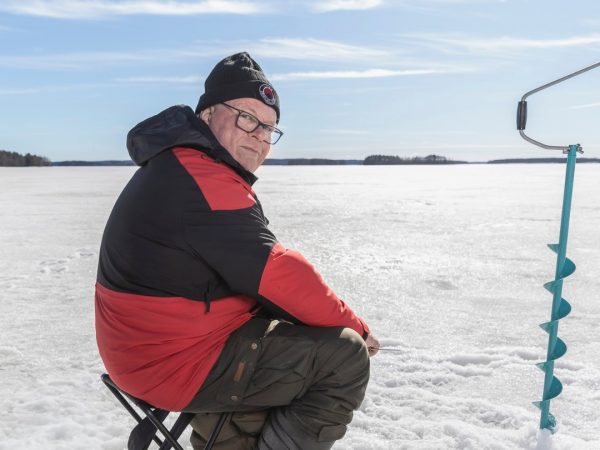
pixel 445 263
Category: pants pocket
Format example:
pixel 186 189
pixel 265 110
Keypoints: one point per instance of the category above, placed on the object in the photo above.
pixel 271 388
pixel 281 372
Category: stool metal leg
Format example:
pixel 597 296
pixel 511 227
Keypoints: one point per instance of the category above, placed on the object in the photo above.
pixel 170 441
pixel 170 436
pixel 117 393
pixel 178 427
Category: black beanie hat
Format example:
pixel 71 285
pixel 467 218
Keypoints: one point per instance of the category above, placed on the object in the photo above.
pixel 238 76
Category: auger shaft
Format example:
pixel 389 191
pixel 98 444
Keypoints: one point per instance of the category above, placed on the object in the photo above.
pixel 566 214
pixel 560 307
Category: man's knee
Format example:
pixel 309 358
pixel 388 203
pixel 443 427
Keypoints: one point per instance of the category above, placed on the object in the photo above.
pixel 340 353
pixel 354 347
pixel 348 358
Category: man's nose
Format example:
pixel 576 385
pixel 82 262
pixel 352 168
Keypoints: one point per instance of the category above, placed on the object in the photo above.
pixel 260 133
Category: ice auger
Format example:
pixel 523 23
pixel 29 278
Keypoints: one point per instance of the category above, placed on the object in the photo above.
pixel 564 266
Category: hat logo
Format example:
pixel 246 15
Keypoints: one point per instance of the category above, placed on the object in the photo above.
pixel 268 94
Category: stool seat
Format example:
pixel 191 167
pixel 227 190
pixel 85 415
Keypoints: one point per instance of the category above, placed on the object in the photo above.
pixel 147 428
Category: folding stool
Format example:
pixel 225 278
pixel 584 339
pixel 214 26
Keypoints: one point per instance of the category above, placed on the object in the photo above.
pixel 146 430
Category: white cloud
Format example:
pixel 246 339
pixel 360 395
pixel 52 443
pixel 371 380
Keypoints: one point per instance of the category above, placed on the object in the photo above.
pixel 370 73
pixel 515 43
pixel 26 91
pixel 55 88
pixel 350 74
pixel 190 79
pixel 314 49
pixel 94 9
pixel 446 42
pixel 313 75
pixel 292 76
pixel 274 48
pixel 588 105
pixel 336 5
pixel 453 2
pixel 361 5
pixel 79 60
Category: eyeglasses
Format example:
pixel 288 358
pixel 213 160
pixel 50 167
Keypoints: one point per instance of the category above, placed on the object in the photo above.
pixel 249 123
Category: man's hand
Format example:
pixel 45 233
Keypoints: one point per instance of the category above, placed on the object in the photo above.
pixel 372 344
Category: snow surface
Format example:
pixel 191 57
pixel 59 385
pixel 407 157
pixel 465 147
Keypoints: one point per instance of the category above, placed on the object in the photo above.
pixel 445 263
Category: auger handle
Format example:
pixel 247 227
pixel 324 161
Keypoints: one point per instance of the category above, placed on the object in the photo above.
pixel 522 115
pixel 522 111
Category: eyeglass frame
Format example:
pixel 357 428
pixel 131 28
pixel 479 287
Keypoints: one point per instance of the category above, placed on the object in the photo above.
pixel 265 126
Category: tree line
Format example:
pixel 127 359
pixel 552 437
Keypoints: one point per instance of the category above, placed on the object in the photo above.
pixel 373 160
pixel 14 159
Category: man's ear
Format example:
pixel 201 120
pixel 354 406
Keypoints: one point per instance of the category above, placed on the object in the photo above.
pixel 206 114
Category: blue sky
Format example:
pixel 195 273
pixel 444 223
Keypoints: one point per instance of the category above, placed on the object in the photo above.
pixel 355 77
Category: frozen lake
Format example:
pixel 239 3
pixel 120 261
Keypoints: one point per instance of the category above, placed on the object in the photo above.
pixel 446 264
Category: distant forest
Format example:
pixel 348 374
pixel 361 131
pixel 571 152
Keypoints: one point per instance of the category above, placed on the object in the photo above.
pixel 14 159
pixel 94 163
pixel 373 160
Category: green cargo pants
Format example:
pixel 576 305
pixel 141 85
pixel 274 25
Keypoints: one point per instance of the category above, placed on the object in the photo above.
pixel 292 387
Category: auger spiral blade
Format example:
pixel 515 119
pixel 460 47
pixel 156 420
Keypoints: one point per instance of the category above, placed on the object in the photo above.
pixel 559 350
pixel 555 390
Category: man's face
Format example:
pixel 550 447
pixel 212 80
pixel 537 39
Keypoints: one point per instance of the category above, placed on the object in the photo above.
pixel 248 149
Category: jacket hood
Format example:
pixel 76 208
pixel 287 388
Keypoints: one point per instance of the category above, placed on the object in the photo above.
pixel 178 126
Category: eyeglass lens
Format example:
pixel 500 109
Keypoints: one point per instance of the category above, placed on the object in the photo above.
pixel 249 123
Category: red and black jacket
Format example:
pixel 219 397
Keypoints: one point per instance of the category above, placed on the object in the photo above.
pixel 187 258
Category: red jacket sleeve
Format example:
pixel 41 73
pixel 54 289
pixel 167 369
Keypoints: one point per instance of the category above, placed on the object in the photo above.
pixel 291 282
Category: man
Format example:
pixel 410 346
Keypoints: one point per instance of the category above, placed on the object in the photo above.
pixel 191 280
